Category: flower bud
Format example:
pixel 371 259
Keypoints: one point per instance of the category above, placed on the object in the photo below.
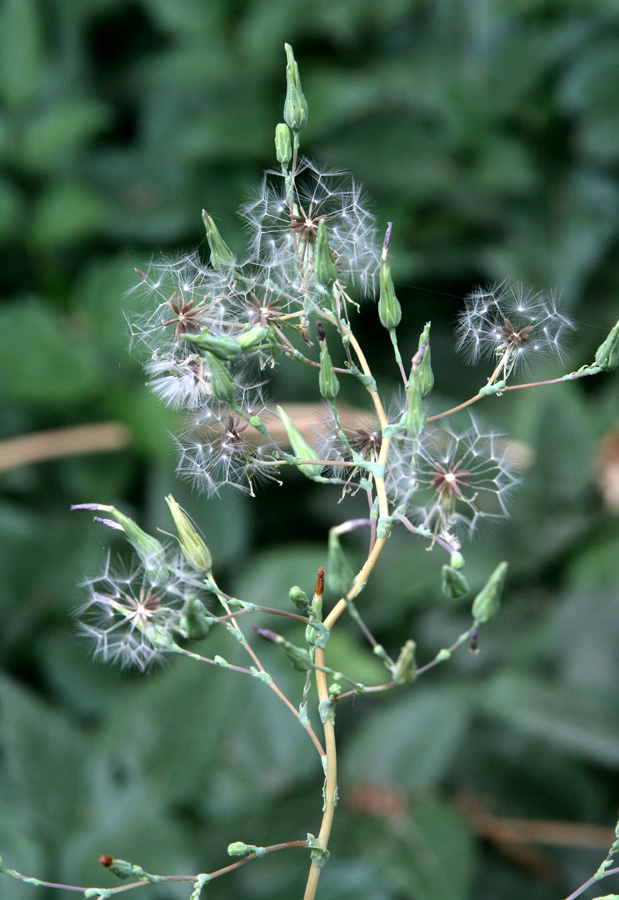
pixel 191 543
pixel 486 604
pixel 301 449
pixel 324 264
pixel 607 355
pixel 389 309
pixel 425 374
pixel 221 346
pixel 414 419
pixel 195 619
pixel 222 383
pixel 340 575
pixel 295 106
pixel 149 549
pixel 252 337
pixel 283 145
pixel 327 380
pixel 456 560
pixel 405 669
pixel 299 598
pixel 221 255
pixel 453 583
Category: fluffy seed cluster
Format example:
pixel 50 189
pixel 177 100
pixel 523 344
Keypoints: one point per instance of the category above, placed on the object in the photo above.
pixel 511 325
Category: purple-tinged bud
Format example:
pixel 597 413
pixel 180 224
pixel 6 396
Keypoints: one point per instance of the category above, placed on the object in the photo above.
pixel 474 641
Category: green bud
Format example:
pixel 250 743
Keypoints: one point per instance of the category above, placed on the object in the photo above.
pixel 238 848
pixel 340 575
pixel 295 106
pixel 426 376
pixel 324 264
pixel 300 448
pixel 607 355
pixel 389 309
pixel 453 583
pixel 414 419
pixel 222 347
pixel 299 598
pixel 221 255
pixel 252 337
pixel 283 145
pixel 486 604
pixel 327 380
pixel 222 383
pixel 191 543
pixel 456 560
pixel 149 549
pixel 405 669
pixel 195 619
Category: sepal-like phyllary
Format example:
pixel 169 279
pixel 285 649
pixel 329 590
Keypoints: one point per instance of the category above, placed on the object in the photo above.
pixel 150 550
pixel 221 255
pixel 191 542
pixel 295 105
pixel 607 354
pixel 300 447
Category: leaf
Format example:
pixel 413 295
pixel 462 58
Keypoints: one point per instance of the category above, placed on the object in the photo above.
pixel 580 722
pixel 410 742
pixel 21 51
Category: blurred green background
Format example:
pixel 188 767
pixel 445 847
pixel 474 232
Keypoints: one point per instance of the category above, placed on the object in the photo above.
pixel 488 132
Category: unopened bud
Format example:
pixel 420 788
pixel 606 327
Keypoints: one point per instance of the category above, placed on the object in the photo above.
pixel 299 598
pixel 300 448
pixel 414 419
pixel 425 373
pixel 486 604
pixel 195 619
pixel 221 346
pixel 453 583
pixel 222 383
pixel 607 355
pixel 340 575
pixel 324 264
pixel 190 540
pixel 283 145
pixel 327 380
pixel 456 560
pixel 221 255
pixel 389 309
pixel 295 106
pixel 149 549
pixel 405 669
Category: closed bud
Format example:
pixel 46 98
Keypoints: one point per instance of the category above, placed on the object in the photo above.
pixel 340 575
pixel 389 309
pixel 195 619
pixel 299 598
pixel 456 560
pixel 283 145
pixel 221 255
pixel 607 355
pixel 405 668
pixel 221 346
pixel 295 106
pixel 252 337
pixel 324 264
pixel 425 373
pixel 453 583
pixel 190 541
pixel 222 383
pixel 487 602
pixel 149 549
pixel 238 848
pixel 414 419
pixel 300 448
pixel 327 379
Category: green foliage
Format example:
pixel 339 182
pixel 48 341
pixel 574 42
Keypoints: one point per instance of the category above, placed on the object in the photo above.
pixel 488 133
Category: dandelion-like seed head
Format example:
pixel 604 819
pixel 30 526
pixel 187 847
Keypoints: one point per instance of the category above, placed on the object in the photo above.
pixel 511 325
pixel 451 479
pixel 284 227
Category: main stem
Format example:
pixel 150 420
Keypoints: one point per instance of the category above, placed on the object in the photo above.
pixel 330 791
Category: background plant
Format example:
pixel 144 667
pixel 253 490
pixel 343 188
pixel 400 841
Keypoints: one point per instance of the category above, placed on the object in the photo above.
pixel 477 193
